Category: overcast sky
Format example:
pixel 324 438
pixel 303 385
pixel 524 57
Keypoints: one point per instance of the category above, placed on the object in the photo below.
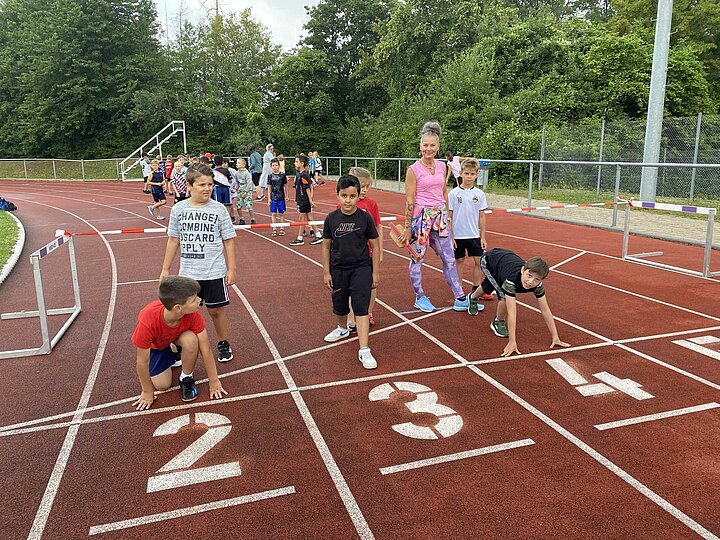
pixel 283 18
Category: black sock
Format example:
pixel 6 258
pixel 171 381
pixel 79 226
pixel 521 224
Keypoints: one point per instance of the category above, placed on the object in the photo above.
pixel 461 298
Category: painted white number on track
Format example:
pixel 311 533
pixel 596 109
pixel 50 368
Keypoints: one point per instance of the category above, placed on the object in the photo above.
pixel 176 472
pixel 449 422
pixel 610 383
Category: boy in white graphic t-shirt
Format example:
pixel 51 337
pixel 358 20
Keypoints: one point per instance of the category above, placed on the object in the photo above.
pixel 202 230
pixel 466 221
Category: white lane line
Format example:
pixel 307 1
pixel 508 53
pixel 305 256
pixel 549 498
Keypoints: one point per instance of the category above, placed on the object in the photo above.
pixel 53 485
pixel 558 265
pixel 570 437
pixel 138 282
pixel 190 510
pixel 455 457
pixel 656 416
pixel 698 349
pixel 351 505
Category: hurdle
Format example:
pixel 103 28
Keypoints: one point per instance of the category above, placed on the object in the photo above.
pixel 643 257
pixel 42 312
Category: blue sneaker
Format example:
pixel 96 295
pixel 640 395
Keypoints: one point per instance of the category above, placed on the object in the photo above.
pixel 462 305
pixel 423 304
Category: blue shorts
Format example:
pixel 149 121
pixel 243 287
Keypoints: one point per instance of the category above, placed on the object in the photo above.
pixel 157 193
pixel 277 207
pixel 160 360
pixel 222 194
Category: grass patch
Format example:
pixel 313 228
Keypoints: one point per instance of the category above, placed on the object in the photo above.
pixel 8 236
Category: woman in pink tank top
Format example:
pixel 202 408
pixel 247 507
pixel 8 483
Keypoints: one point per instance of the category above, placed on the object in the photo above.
pixel 426 219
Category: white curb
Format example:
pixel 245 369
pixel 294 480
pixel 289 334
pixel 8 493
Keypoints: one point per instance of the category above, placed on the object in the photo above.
pixel 19 244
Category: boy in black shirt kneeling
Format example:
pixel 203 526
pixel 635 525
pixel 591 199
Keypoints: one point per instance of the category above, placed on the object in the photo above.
pixel 348 270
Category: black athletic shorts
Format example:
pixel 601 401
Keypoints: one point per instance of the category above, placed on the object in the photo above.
pixel 354 284
pixel 304 208
pixel 471 246
pixel 157 193
pixel 213 292
pixel 256 178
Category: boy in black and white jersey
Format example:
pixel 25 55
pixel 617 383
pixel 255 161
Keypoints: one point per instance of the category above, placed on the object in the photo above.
pixel 507 274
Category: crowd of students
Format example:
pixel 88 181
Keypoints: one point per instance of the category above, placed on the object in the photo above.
pixel 210 199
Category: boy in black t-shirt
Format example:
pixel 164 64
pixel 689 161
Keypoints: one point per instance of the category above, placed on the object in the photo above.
pixel 348 269
pixel 304 197
pixel 507 274
pixel 276 185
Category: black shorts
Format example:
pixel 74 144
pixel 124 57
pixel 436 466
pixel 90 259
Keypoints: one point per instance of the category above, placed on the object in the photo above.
pixel 354 284
pixel 490 284
pixel 157 193
pixel 469 246
pixel 304 207
pixel 214 292
pixel 256 178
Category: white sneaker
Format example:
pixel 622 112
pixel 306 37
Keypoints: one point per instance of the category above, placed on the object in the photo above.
pixel 367 359
pixel 150 210
pixel 337 335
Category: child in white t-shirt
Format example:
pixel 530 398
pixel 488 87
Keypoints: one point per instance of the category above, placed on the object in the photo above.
pixel 466 221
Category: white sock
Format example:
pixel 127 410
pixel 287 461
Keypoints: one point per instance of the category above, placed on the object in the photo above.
pixel 362 349
pixel 184 375
pixel 318 234
pixel 342 328
pixel 299 237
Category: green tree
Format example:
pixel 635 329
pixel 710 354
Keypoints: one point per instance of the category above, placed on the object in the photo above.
pixel 68 73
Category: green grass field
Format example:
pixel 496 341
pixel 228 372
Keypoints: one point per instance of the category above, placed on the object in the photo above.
pixel 8 236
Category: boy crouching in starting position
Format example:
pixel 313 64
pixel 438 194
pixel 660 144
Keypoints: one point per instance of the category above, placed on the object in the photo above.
pixel 173 319
pixel 348 269
pixel 507 274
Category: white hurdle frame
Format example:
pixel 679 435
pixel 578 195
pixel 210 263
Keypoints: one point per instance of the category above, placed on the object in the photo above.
pixel 642 257
pixel 42 312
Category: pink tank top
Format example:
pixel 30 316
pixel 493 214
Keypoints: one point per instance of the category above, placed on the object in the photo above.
pixel 430 190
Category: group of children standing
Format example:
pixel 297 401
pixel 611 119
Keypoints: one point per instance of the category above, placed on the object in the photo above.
pixel 171 334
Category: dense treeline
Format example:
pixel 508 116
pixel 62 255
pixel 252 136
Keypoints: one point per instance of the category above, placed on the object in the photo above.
pixel 91 78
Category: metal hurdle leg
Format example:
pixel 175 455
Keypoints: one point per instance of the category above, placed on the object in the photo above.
pixel 42 312
pixel 708 245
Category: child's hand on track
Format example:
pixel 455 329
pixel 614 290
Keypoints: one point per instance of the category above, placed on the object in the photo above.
pixel 216 390
pixel 144 401
pixel 556 341
pixel 510 348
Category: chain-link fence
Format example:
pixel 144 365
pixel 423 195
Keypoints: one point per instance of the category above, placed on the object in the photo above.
pixel 65 169
pixel 684 140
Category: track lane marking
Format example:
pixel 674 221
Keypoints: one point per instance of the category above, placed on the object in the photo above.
pixel 656 416
pixel 190 510
pixel 456 456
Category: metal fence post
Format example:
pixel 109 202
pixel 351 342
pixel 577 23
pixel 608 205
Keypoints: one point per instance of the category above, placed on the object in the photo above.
pixel 542 157
pixel 54 171
pixel 399 166
pixel 25 168
pixel 695 156
pixel 117 168
pixel 530 183
pixel 375 178
pixel 82 167
pixel 340 167
pixel 356 162
pixel 600 158
pixel 617 195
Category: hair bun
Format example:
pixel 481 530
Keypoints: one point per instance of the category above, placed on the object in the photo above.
pixel 431 128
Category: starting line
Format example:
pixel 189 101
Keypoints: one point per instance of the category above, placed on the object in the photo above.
pixel 42 312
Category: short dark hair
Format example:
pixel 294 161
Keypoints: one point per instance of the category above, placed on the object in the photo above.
pixel 196 170
pixel 218 160
pixel 144 154
pixel 274 160
pixel 347 181
pixel 204 160
pixel 176 290
pixel 538 266
pixel 303 159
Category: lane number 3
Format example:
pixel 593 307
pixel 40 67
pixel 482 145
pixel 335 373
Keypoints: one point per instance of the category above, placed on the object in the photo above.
pixel 448 424
pixel 177 472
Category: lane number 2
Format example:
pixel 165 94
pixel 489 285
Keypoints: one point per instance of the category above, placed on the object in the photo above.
pixel 448 424
pixel 177 472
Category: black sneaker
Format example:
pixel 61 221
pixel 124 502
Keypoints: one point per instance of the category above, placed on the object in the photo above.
pixel 224 351
pixel 352 328
pixel 317 240
pixel 253 222
pixel 187 389
pixel 241 222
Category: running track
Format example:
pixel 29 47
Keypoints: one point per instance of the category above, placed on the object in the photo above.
pixel 445 439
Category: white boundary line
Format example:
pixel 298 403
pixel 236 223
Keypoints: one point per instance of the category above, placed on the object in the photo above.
pixel 656 416
pixel 455 457
pixel 558 265
pixel 190 511
pixel 351 505
pixel 48 498
pixel 17 249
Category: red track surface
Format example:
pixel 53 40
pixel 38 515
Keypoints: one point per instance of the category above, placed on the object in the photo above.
pixel 75 456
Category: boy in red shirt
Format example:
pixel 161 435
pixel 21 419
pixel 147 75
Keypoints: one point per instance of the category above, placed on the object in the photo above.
pixel 173 319
pixel 371 207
